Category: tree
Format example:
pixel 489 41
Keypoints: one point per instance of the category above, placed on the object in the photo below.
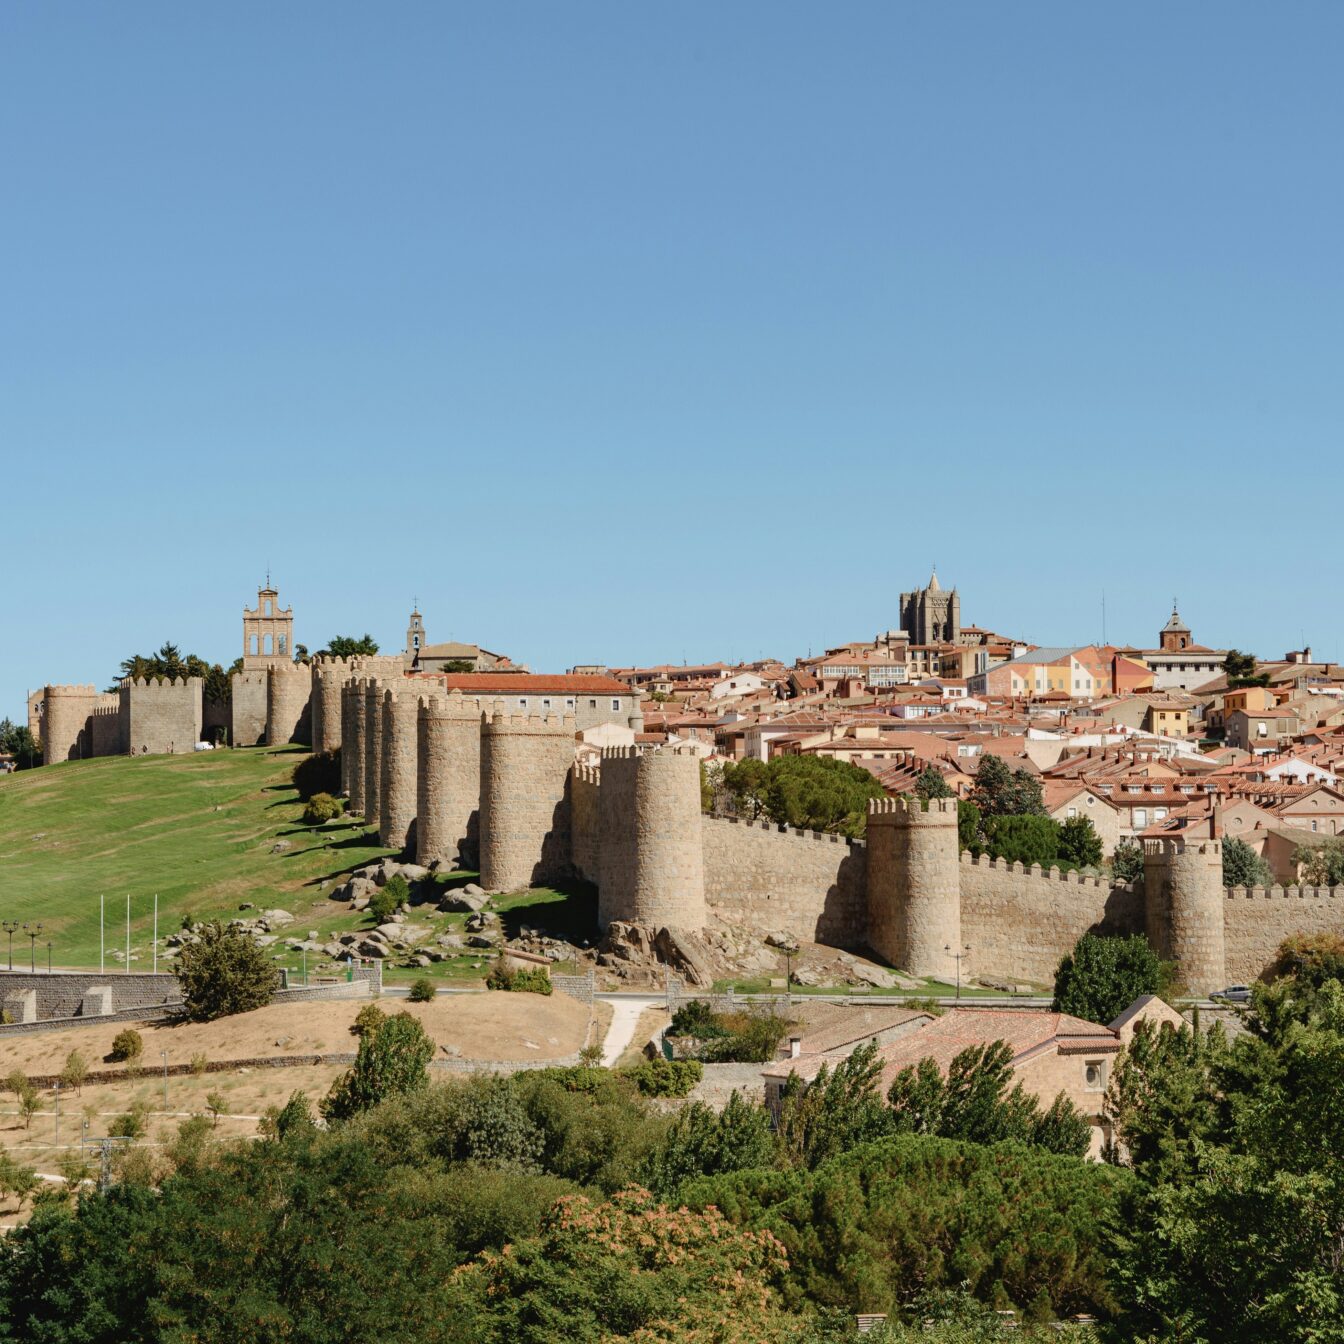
pixel 74 1072
pixel 346 646
pixel 931 784
pixel 1321 865
pixel 224 972
pixel 25 1094
pixel 1127 862
pixel 391 1060
pixel 16 1180
pixel 1242 866
pixel 1001 792
pixel 1079 842
pixel 834 1112
pixel 1025 839
pixel 127 1045
pixel 808 792
pixel 1240 668
pixel 970 834
pixel 459 665
pixel 1311 958
pixel 974 1102
pixel 20 744
pixel 1101 977
pixel 217 1104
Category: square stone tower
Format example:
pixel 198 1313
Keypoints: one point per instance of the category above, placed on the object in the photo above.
pixel 268 632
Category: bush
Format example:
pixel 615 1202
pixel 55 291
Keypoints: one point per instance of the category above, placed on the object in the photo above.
pixel 385 902
pixel 1127 862
pixel 226 972
pixel 1242 866
pixel 696 1018
pixel 322 807
pixel 198 1064
pixel 667 1077
pixel 132 1125
pixel 369 1018
pixel 126 1045
pixel 392 1059
pixel 422 991
pixel 318 774
pixel 503 976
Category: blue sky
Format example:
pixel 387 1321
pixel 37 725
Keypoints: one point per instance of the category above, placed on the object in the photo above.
pixel 623 332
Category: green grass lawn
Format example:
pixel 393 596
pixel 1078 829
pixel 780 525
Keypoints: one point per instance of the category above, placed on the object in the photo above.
pixel 200 831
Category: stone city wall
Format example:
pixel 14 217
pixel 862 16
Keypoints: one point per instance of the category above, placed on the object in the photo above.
pixel 289 689
pixel 65 723
pixel 1021 921
pixel 811 885
pixel 61 993
pixel 109 726
pixel 162 717
pixel 585 816
pixel 448 779
pixel 1258 919
pixel 398 788
pixel 248 715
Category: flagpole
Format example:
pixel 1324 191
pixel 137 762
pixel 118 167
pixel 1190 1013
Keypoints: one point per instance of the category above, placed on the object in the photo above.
pixel 156 933
pixel 128 934
pixel 102 903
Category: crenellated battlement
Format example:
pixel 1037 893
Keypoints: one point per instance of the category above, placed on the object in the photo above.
pixel 907 810
pixel 550 723
pixel 588 774
pixel 163 685
pixel 789 832
pixel 63 692
pixel 1035 871
pixel 1278 893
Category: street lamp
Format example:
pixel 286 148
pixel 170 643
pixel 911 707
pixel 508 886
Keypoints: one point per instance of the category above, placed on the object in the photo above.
pixel 965 948
pixel 34 932
pixel 11 927
pixel 48 956
pixel 164 1055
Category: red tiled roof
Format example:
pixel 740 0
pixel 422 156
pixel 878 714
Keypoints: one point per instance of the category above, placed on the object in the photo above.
pixel 516 683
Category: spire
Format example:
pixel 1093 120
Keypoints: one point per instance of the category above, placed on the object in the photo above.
pixel 934 585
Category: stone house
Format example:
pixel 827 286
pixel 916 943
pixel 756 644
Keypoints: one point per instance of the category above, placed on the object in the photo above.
pixel 1068 798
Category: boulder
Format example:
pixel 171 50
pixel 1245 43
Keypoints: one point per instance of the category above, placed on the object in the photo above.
pixel 373 947
pixel 461 900
pixel 414 872
pixel 276 919
pixel 473 889
pixel 479 940
pixel 281 847
pixel 388 931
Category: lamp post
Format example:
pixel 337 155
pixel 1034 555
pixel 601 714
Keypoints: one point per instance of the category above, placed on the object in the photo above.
pixel 11 927
pixel 34 932
pixel 965 948
pixel 48 956
pixel 164 1055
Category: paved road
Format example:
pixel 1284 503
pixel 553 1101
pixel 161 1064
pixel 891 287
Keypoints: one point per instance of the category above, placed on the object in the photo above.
pixel 625 1011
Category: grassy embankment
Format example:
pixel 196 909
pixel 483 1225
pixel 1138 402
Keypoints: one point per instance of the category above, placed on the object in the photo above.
pixel 200 831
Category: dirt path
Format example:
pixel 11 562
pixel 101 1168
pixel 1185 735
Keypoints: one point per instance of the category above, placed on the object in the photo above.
pixel 625 1017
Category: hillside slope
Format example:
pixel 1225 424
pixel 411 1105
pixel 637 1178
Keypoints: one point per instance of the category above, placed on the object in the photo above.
pixel 199 830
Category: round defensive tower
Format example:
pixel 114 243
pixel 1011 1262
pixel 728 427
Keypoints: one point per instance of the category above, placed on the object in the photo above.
pixel 347 732
pixel 329 676
pixel 652 856
pixel 448 780
pixel 914 885
pixel 289 690
pixel 358 746
pixel 65 722
pixel 1184 909
pixel 525 829
pixel 373 751
pixel 397 787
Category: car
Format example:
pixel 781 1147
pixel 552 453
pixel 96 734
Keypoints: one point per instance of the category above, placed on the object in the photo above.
pixel 1233 994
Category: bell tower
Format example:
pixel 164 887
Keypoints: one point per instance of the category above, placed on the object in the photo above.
pixel 415 636
pixel 268 632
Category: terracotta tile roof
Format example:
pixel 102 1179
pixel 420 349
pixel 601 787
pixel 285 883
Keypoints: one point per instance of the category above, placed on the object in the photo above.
pixel 526 683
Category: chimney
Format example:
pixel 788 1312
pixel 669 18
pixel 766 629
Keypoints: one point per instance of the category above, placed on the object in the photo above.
pixel 795 1046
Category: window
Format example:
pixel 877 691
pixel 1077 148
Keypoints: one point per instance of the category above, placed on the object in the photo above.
pixel 592 704
pixel 1159 814
pixel 1140 817
pixel 546 702
pixel 1313 825
pixel 1094 1075
pixel 281 645
pixel 1090 800
pixel 569 704
pixel 522 702
pixel 615 703
pixel 1073 812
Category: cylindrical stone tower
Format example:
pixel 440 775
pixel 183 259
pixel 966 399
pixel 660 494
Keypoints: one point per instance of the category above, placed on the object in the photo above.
pixel 652 867
pixel 914 885
pixel 289 689
pixel 65 722
pixel 373 751
pixel 1184 904
pixel 525 767
pixel 397 787
pixel 347 733
pixel 448 780
pixel 329 675
pixel 358 743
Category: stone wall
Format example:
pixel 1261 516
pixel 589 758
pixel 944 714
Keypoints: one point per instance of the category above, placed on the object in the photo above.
pixel 448 779
pixel 61 993
pixel 289 689
pixel 1258 919
pixel 248 714
pixel 651 864
pixel 108 726
pixel 811 885
pixel 397 786
pixel 373 750
pixel 525 828
pixel 162 717
pixel 354 747
pixel 329 675
pixel 65 723
pixel 585 815
pixel 1021 921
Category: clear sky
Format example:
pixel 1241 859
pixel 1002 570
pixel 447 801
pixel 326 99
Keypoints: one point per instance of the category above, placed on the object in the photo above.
pixel 631 333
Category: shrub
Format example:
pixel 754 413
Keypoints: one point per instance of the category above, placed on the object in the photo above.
pixel 1311 957
pixel 132 1125
pixel 503 976
pixel 1127 862
pixel 369 1018
pixel 667 1077
pixel 752 1038
pixel 75 1071
pixel 696 1018
pixel 321 807
pixel 198 1064
pixel 126 1045
pixel 384 902
pixel 422 991
pixel 225 972
pixel 217 1104
pixel 320 773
